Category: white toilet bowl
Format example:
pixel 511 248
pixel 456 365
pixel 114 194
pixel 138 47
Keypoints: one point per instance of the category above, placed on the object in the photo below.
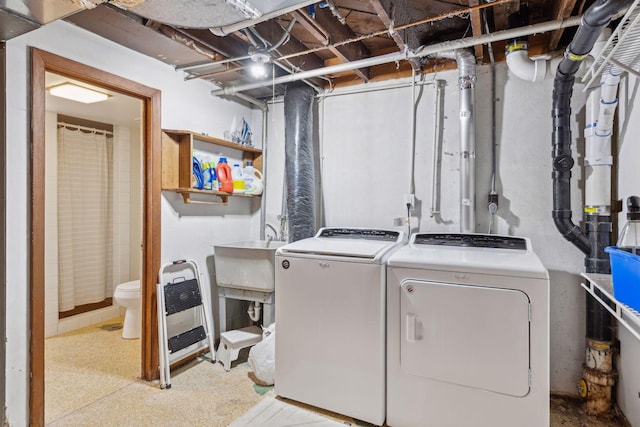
pixel 128 295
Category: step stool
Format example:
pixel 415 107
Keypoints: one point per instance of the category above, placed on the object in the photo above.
pixel 231 342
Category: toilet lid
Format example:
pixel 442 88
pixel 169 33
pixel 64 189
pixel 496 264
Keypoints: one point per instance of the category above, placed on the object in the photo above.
pixel 133 286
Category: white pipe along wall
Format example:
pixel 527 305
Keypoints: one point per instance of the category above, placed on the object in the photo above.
pixel 524 67
pixel 466 82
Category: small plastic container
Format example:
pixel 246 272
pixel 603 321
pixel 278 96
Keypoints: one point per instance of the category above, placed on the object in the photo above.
pixel 625 273
pixel 629 239
pixel 252 179
pixel 224 175
pixel 238 179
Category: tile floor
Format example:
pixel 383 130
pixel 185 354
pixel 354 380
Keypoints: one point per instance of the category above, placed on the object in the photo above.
pixel 91 380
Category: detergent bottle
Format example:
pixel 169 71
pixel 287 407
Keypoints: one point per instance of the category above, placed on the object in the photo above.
pixel 207 173
pixel 197 178
pixel 252 179
pixel 224 175
pixel 215 185
pixel 238 180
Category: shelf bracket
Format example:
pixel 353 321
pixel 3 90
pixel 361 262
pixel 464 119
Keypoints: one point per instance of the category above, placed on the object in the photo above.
pixel 187 199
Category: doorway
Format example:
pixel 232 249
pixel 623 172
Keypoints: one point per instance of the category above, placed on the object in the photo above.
pixel 41 63
pixel 93 236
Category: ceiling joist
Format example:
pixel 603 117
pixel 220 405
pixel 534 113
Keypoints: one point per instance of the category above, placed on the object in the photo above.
pixel 561 10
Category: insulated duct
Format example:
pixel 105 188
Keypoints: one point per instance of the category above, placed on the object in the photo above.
pixel 593 21
pixel 300 161
pixel 466 82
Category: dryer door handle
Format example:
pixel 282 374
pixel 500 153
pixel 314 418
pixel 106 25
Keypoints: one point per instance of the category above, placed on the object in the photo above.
pixel 410 325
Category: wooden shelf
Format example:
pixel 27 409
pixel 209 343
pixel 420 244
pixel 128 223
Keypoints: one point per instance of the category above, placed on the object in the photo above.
pixel 177 152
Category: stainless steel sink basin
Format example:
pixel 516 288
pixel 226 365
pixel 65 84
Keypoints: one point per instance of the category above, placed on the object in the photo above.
pixel 247 265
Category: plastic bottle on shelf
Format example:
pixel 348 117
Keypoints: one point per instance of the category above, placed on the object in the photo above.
pixel 224 175
pixel 207 173
pixel 629 240
pixel 215 185
pixel 238 180
pixel 252 179
pixel 197 178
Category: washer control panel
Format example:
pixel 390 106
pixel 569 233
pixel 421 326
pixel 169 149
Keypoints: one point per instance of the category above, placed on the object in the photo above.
pixel 471 240
pixel 360 233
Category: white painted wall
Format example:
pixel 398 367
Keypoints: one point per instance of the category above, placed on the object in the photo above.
pixel 628 387
pixel 187 231
pixel 366 151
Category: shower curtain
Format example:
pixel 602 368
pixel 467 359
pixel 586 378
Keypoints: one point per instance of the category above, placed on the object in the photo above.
pixel 85 211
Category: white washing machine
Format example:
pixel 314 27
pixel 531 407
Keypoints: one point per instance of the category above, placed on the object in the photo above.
pixel 467 333
pixel 330 317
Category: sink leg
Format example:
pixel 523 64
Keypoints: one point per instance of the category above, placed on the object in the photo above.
pixel 268 314
pixel 222 303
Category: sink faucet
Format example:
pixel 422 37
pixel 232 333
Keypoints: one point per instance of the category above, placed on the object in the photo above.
pixel 270 237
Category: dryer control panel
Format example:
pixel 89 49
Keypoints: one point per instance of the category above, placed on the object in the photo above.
pixel 491 241
pixel 360 233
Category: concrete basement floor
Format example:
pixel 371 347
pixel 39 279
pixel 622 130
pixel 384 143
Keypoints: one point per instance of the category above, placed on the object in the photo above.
pixel 91 379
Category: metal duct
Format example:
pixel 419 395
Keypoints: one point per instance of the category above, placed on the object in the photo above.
pixel 300 161
pixel 222 17
pixel 20 17
pixel 467 82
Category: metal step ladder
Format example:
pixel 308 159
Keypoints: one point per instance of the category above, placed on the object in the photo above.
pixel 183 292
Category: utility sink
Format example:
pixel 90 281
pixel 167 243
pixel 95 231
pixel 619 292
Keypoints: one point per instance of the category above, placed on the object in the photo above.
pixel 247 265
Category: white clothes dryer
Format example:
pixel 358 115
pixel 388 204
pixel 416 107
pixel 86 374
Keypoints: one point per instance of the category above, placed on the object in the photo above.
pixel 330 317
pixel 467 333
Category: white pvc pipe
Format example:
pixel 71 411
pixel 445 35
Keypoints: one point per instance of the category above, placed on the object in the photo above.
pixel 598 158
pixel 526 68
pixel 254 311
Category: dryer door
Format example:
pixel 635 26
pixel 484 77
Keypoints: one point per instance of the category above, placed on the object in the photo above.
pixel 473 336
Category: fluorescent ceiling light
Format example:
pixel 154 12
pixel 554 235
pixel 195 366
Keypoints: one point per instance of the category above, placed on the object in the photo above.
pixel 78 93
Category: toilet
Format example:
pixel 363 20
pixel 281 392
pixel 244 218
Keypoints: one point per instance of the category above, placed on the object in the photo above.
pixel 128 295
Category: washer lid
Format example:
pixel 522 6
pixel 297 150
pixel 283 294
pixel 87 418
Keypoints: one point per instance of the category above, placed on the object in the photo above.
pixel 364 244
pixel 425 254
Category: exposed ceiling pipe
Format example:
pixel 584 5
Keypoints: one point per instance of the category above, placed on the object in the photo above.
pixel 262 105
pixel 228 29
pixel 466 82
pixel 517 52
pixel 309 23
pixel 524 67
pixel 407 55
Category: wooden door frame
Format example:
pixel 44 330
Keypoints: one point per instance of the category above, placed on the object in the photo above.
pixel 41 62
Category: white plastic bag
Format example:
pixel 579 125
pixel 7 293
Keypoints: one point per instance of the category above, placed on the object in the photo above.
pixel 262 356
